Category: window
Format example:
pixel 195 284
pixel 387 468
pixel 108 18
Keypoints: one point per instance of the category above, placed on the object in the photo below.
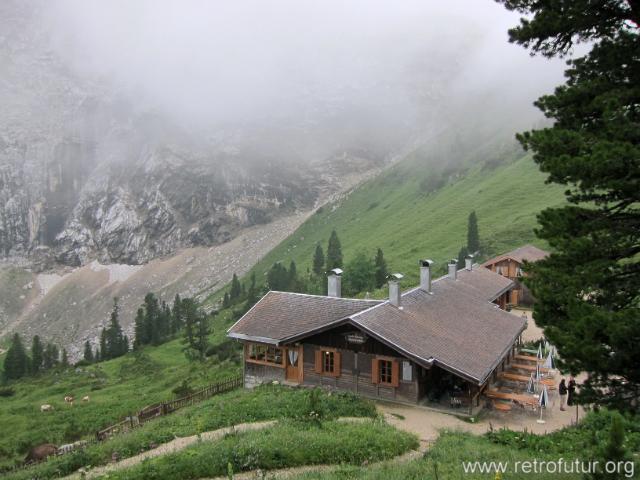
pixel 264 354
pixel 384 369
pixel 328 362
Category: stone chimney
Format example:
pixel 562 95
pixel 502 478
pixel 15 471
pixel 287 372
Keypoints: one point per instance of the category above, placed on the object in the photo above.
pixel 425 275
pixel 468 262
pixel 453 269
pixel 394 289
pixel 334 285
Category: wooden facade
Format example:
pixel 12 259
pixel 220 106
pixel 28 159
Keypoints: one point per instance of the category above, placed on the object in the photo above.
pixel 347 359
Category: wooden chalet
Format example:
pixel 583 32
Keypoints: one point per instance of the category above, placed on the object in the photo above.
pixel 438 344
pixel 510 265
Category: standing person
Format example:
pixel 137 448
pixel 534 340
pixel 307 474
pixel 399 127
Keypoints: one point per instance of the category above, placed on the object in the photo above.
pixel 572 390
pixel 562 390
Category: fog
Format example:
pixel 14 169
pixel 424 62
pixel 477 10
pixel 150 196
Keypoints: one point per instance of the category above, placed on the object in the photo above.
pixel 211 63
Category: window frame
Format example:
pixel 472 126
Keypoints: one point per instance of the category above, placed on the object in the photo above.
pixel 264 354
pixel 385 374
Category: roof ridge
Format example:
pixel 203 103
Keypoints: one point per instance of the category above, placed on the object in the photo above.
pixel 326 296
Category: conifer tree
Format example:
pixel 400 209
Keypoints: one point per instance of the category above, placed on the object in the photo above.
pixel 16 363
pixel 140 329
pixel 88 352
pixel 50 356
pixel 252 292
pixel 292 280
pixel 176 315
pixel 334 252
pixel 103 346
pixel 462 255
pixel 381 269
pixel 226 301
pixel 65 358
pixel 114 337
pixel 37 351
pixel 318 261
pixel 587 290
pixel 196 330
pixel 236 289
pixel 278 277
pixel 473 237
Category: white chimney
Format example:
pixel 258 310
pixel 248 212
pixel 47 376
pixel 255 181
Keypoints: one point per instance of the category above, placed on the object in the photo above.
pixel 394 289
pixel 468 262
pixel 453 269
pixel 425 275
pixel 334 285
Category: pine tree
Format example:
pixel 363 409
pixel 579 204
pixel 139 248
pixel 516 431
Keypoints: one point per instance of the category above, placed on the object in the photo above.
pixel 37 351
pixel 50 356
pixel 65 358
pixel 360 275
pixel 473 237
pixel 196 330
pixel 226 301
pixel 587 290
pixel 292 279
pixel 462 255
pixel 202 332
pixel 88 352
pixel 236 289
pixel 381 269
pixel 140 329
pixel 318 261
pixel 252 292
pixel 151 318
pixel 16 363
pixel 278 277
pixel 334 252
pixel 114 337
pixel 176 315
pixel 103 346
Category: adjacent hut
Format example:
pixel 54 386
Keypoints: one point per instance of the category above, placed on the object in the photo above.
pixel 439 344
pixel 510 265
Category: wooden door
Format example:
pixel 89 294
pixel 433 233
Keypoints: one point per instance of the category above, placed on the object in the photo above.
pixel 294 364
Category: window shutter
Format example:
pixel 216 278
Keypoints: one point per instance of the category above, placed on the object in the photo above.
pixel 337 364
pixel 375 375
pixel 319 361
pixel 395 373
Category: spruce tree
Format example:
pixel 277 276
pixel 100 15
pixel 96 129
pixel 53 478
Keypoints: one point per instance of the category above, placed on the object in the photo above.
pixel 114 337
pixel 50 356
pixel 88 352
pixel 226 301
pixel 103 346
pixel 16 362
pixel 37 351
pixel 236 289
pixel 473 237
pixel 278 277
pixel 176 315
pixel 292 280
pixel 588 290
pixel 140 329
pixel 381 269
pixel 334 252
pixel 318 260
pixel 65 358
pixel 252 292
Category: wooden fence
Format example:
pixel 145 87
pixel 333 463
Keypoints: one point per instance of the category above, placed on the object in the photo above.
pixel 164 408
pixel 155 411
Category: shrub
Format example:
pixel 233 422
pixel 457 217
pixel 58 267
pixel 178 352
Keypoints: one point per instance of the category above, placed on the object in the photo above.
pixel 7 392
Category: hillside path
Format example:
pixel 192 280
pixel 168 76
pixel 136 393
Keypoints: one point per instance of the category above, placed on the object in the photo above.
pixel 171 447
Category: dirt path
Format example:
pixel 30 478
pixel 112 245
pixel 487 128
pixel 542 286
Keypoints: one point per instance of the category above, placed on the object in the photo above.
pixel 171 447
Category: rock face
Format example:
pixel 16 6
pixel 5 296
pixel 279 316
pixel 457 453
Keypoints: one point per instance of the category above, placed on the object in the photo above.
pixel 84 175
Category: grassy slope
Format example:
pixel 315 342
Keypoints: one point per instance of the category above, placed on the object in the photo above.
pixel 116 388
pixel 393 212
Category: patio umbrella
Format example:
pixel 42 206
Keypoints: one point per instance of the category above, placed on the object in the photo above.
pixel 530 385
pixel 549 363
pixel 543 401
pixel 539 355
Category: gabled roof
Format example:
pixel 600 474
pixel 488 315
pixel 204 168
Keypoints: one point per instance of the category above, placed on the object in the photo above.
pixel 455 326
pixel 527 252
pixel 279 315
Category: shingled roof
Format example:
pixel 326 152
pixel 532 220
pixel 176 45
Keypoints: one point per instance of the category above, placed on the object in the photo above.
pixel 456 326
pixel 527 252
pixel 280 315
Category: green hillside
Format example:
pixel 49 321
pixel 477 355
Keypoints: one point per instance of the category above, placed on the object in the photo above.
pixel 397 213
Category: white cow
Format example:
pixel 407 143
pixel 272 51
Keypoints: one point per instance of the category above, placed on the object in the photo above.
pixel 46 408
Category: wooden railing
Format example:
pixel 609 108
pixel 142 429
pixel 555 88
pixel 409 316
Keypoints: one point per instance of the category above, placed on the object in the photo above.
pixel 155 411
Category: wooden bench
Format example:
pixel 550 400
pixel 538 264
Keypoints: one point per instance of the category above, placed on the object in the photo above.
pixel 520 399
pixel 501 406
pixel 528 368
pixel 528 358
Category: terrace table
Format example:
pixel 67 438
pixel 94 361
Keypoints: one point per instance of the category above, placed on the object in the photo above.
pixel 528 368
pixel 520 399
pixel 524 379
pixel 528 358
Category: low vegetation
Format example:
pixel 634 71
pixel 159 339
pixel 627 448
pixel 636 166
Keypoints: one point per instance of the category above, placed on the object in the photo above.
pixel 240 406
pixel 289 444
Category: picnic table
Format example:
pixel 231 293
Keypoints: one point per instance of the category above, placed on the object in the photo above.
pixel 518 398
pixel 524 379
pixel 529 350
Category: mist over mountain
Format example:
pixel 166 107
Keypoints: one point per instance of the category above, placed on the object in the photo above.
pixel 131 130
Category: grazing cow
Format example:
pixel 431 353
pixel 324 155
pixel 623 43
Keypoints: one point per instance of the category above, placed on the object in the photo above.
pixel 69 400
pixel 85 398
pixel 41 452
pixel 46 408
